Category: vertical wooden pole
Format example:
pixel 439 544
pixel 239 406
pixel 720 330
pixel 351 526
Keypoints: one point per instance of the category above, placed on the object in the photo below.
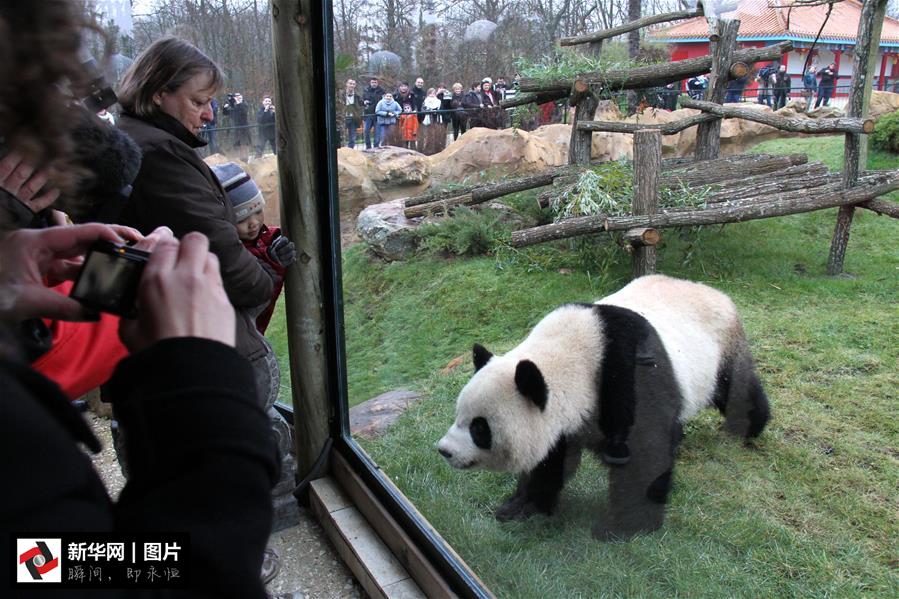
pixel 708 135
pixel 303 174
pixel 585 102
pixel 647 170
pixel 870 26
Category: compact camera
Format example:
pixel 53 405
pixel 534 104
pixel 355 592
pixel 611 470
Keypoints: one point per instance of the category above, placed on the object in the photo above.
pixel 109 278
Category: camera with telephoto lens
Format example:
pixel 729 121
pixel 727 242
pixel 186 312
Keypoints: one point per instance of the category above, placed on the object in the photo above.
pixel 97 93
pixel 109 278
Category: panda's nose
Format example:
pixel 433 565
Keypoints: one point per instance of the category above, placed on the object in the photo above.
pixel 445 453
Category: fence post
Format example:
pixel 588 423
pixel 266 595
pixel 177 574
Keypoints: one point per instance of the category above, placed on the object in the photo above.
pixel 647 171
pixel 708 135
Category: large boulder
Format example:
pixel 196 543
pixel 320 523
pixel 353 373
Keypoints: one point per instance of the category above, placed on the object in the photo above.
pixel 882 103
pixel 353 182
pixel 826 112
pixel 387 231
pixel 398 170
pixel 509 151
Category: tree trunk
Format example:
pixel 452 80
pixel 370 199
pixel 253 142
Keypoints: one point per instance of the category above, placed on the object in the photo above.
pixel 795 178
pixel 521 99
pixel 647 172
pixel 656 74
pixel 708 136
pixel 796 125
pixel 634 24
pixel 585 103
pixel 870 26
pixel 778 205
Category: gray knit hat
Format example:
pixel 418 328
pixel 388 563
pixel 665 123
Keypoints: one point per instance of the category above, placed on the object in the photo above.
pixel 240 188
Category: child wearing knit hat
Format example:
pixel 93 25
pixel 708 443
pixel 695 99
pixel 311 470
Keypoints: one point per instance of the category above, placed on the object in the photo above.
pixel 274 251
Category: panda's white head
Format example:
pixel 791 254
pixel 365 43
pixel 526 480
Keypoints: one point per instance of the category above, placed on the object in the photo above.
pixel 500 421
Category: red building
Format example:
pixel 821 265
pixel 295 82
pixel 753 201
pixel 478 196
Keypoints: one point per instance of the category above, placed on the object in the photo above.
pixel 767 22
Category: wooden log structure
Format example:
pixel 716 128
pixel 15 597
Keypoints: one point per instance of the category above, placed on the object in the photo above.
pixel 795 125
pixel 829 196
pixel 716 171
pixel 870 26
pixel 794 178
pixel 521 99
pixel 583 98
pixel 642 236
pixel 655 74
pixel 882 207
pixel 605 34
pixel 708 135
pixel 665 129
pixel 647 172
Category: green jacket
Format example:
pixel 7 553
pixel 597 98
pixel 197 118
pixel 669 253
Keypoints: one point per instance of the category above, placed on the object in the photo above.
pixel 349 110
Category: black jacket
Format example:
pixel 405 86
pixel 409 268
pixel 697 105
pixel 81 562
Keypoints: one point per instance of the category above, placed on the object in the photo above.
pixel 238 112
pixel 201 456
pixel 175 188
pixel 370 98
pixel 266 121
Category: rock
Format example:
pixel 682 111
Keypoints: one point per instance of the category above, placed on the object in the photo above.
pixel 353 183
pixel 793 109
pixel 882 103
pixel 607 110
pixel 372 418
pixel 387 231
pixel 826 112
pixel 391 167
pixel 505 214
pixel 509 151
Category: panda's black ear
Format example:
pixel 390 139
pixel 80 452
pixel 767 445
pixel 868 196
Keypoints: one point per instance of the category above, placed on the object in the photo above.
pixel 530 383
pixel 481 356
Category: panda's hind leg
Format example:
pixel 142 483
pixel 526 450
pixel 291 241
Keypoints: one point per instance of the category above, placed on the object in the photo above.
pixel 538 491
pixel 740 396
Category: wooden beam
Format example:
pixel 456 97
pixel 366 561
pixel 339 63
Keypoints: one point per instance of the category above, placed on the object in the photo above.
pixel 708 136
pixel 883 207
pixel 665 128
pixel 580 146
pixel 723 169
pixel 794 124
pixel 647 171
pixel 870 25
pixel 522 98
pixel 767 207
pixel 641 237
pixel 656 74
pixel 303 162
pixel 605 34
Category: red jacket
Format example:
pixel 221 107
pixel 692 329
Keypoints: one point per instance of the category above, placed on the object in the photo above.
pixel 84 354
pixel 259 248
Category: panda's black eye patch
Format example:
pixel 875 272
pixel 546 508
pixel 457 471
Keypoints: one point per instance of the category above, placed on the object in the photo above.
pixel 480 433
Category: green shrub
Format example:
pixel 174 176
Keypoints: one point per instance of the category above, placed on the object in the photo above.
pixel 467 233
pixel 886 133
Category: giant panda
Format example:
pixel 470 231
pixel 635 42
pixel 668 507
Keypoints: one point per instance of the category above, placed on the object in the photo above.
pixel 619 377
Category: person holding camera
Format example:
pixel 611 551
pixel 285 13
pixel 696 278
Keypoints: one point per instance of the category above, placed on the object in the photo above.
pixel 370 98
pixel 165 96
pixel 266 122
pixel 239 113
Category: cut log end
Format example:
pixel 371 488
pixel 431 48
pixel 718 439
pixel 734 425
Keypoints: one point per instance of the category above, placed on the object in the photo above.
pixel 868 126
pixel 642 237
pixel 739 69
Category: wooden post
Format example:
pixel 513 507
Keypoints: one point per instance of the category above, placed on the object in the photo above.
pixel 708 135
pixel 585 102
pixel 647 170
pixel 870 26
pixel 303 159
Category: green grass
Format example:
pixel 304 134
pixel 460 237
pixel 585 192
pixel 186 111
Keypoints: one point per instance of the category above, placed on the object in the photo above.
pixel 811 511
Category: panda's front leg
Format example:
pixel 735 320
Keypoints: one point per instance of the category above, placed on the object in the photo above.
pixel 538 490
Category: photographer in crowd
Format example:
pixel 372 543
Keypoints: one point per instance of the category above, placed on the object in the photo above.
pixel 239 114
pixel 208 477
pixel 266 122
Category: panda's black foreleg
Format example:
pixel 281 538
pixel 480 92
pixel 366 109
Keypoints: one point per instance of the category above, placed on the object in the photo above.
pixel 538 490
pixel 746 410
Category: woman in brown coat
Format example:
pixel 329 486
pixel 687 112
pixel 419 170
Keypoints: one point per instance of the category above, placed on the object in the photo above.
pixel 166 98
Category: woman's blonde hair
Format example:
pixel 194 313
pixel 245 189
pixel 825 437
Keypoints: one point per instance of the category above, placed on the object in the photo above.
pixel 165 66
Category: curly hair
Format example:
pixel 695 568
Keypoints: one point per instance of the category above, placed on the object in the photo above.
pixel 39 62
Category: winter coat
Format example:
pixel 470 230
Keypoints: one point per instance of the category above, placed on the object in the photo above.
pixel 175 188
pixel 781 82
pixel 385 107
pixel 266 121
pixel 370 98
pixel 259 248
pixel 351 110
pixel 418 99
pixel 828 77
pixel 216 449
pixel 431 105
pixel 238 112
pixel 408 126
pixel 810 81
